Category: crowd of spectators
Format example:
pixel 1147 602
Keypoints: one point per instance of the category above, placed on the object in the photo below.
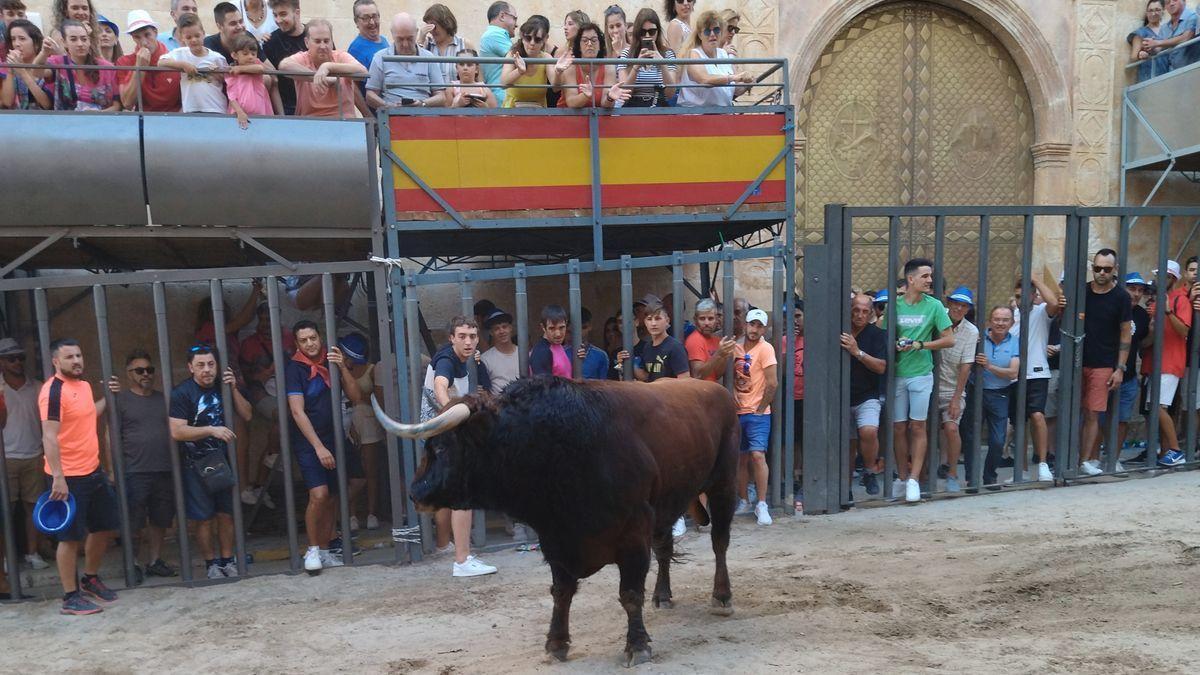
pixel 1166 25
pixel 263 59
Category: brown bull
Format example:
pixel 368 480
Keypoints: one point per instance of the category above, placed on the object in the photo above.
pixel 601 470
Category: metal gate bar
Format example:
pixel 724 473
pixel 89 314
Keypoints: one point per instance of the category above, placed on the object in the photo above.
pixel 284 461
pixel 230 410
pixel 164 365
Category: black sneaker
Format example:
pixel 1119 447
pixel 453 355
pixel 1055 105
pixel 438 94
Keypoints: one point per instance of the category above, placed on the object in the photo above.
pixel 1140 459
pixel 943 471
pixel 96 590
pixel 139 575
pixel 871 483
pixel 1005 463
pixel 336 546
pixel 159 568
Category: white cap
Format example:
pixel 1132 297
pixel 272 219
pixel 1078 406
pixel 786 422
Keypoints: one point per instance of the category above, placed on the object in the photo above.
pixel 756 315
pixel 1172 269
pixel 137 20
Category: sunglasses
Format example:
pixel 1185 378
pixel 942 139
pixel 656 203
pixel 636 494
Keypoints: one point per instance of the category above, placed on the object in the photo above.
pixel 710 32
pixel 15 358
pixel 651 32
pixel 149 370
pixel 533 38
pixel 734 30
pixel 200 349
pixel 1101 269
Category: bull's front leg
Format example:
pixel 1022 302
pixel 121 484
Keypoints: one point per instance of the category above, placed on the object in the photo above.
pixel 558 639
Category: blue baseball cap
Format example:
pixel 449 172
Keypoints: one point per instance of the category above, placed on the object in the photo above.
pixel 51 516
pixel 354 348
pixel 962 294
pixel 881 297
pixel 1135 279
pixel 111 24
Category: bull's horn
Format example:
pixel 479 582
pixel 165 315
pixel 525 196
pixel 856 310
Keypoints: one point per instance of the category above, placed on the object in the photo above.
pixel 452 417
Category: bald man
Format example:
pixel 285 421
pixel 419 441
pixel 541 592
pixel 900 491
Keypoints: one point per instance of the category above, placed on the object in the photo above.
pixel 395 85
pixel 317 92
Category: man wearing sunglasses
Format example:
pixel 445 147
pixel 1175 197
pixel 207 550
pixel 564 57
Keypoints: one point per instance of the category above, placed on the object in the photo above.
pixel 1108 331
pixel 22 440
pixel 146 447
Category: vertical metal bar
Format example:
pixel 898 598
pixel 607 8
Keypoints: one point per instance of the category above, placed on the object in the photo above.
pixel 8 526
pixel 1113 453
pixel 785 357
pixel 789 263
pixel 1083 225
pixel 116 453
pixel 239 532
pixel 976 477
pixel 890 420
pixel 933 457
pixel 1189 395
pixel 522 298
pixel 597 177
pixel 727 293
pixel 1020 423
pixel 627 330
pixel 839 227
pixel 416 386
pixel 575 304
pixel 1153 442
pixel 339 432
pixel 1066 461
pixel 43 325
pixel 283 419
pixel 177 468
pixel 479 516
pixel 677 290
pixel 395 365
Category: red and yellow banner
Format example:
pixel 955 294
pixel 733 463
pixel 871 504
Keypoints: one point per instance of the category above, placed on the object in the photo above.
pixel 503 163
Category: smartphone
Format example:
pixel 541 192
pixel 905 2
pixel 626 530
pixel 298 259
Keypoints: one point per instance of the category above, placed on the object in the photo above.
pixel 476 97
pixel 647 43
pixel 408 101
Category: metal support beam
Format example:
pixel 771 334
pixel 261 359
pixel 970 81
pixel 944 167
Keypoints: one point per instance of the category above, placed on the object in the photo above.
pixel 27 255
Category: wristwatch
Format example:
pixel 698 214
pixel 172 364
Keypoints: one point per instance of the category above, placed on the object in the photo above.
pixel 920 345
pixel 860 354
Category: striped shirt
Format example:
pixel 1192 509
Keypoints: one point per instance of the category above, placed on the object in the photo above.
pixel 649 81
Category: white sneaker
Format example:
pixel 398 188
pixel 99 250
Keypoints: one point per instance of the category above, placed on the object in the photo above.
pixel 1120 468
pixel 743 508
pixel 1091 468
pixel 35 561
pixel 763 515
pixel 214 572
pixel 912 491
pixel 952 484
pixel 372 522
pixel 472 567
pixel 249 497
pixel 1044 474
pixel 230 570
pixel 266 498
pixel 448 548
pixel 330 559
pixel 353 523
pixel 312 559
pixel 679 528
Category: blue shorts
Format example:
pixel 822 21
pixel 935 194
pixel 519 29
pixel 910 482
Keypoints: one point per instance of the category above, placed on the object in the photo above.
pixel 200 504
pixel 315 475
pixel 756 432
pixel 1128 396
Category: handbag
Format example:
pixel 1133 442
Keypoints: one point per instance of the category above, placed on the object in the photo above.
pixel 65 96
pixel 213 470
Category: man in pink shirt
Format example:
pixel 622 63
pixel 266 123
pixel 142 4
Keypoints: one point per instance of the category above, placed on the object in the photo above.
pixel 319 93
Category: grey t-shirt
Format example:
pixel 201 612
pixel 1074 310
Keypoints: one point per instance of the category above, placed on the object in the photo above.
pixel 395 81
pixel 145 433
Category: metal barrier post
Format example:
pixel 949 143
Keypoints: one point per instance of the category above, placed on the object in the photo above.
pixel 43 325
pixel 975 480
pixel 933 457
pixel 416 387
pixel 116 453
pixel 283 419
pixel 1066 461
pixel 10 532
pixel 395 364
pixel 627 330
pixel 575 302
pixel 783 371
pixel 1020 422
pixel 479 516
pixel 177 468
pixel 218 308
pixel 823 435
pixel 522 316
pixel 889 417
pixel 677 289
pixel 339 432
pixel 1153 441
pixel 1112 456
pixel 727 291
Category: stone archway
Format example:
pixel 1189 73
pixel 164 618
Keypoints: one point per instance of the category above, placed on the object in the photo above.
pixel 914 103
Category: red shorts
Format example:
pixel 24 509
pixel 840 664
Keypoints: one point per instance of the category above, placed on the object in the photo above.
pixel 1095 389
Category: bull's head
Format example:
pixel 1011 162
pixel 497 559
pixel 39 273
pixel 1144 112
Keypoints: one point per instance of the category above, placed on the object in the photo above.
pixel 443 480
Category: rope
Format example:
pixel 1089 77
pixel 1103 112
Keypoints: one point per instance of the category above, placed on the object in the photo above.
pixel 407 535
pixel 388 262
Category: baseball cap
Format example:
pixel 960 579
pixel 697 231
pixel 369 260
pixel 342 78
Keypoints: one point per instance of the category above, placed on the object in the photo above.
pixel 103 20
pixel 648 299
pixel 962 294
pixel 496 316
pixel 881 298
pixel 10 347
pixel 354 347
pixel 756 315
pixel 138 19
pixel 1135 279
pixel 1172 269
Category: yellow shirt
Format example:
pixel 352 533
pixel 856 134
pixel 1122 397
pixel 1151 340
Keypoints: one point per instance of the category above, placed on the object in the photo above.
pixel 528 96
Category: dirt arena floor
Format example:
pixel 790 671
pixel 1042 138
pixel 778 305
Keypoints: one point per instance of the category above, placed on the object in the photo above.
pixel 1089 579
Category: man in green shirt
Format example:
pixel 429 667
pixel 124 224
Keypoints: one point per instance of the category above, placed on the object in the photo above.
pixel 922 325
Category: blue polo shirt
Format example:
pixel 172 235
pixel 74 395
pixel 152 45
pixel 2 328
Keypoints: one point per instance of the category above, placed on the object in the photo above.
pixel 317 405
pixel 595 364
pixel 1187 22
pixel 1001 355
pixel 495 42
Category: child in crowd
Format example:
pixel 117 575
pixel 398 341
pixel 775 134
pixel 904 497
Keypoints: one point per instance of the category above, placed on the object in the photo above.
pixel 200 91
pixel 244 84
pixel 469 97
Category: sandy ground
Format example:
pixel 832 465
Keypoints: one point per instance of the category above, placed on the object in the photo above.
pixel 1092 578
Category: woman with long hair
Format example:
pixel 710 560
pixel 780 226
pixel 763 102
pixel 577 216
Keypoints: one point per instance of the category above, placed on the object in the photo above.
pixel 566 56
pixel 719 78
pixel 679 27
pixel 733 22
pixel 585 86
pixel 654 85
pixel 79 89
pixel 1153 27
pixel 440 37
pixel 258 18
pixel 616 38
pixel 531 45
pixel 110 40
pixel 73 10
pixel 462 96
pixel 23 88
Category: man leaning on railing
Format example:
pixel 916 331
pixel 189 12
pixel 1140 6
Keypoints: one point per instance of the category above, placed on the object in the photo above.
pixel 394 85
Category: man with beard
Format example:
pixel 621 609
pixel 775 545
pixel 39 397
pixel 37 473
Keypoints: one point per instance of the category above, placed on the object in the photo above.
pixel 708 353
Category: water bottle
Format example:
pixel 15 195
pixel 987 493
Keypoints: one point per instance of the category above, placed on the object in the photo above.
pixel 746 365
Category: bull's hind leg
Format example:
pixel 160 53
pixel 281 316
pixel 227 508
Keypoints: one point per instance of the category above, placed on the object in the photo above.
pixel 634 563
pixel 720 508
pixel 664 549
pixel 558 640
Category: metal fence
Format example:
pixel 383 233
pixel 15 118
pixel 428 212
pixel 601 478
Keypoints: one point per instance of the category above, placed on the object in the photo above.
pixel 828 279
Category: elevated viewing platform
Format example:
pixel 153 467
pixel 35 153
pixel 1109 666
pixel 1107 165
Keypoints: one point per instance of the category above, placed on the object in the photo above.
pixel 1158 132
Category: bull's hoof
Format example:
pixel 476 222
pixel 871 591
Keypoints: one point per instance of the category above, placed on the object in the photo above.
pixel 637 657
pixel 558 649
pixel 664 603
pixel 721 607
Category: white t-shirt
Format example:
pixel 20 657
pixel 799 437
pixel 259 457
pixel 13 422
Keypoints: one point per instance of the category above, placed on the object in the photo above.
pixel 503 368
pixel 201 93
pixel 23 432
pixel 700 96
pixel 1036 365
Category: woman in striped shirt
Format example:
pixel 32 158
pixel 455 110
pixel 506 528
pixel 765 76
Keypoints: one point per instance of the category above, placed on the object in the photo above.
pixel 652 85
